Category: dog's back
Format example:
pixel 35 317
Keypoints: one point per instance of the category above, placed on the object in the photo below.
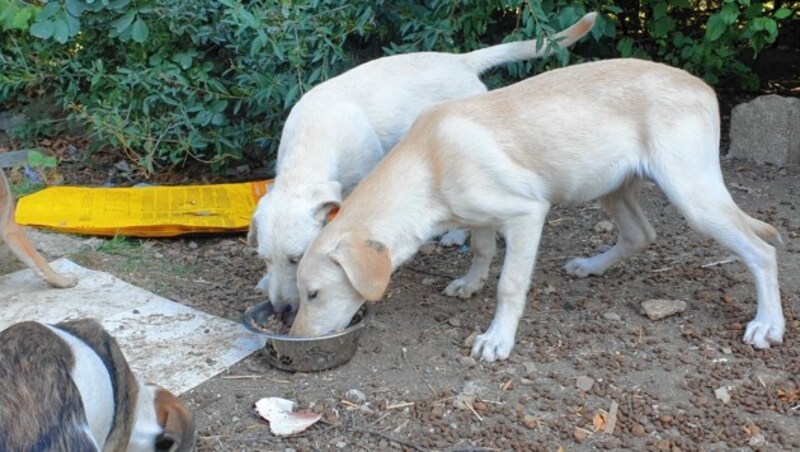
pixel 37 396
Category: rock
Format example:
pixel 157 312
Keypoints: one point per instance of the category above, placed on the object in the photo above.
pixel 613 316
pixel 467 361
pixel 579 434
pixel 355 396
pixel 453 321
pixel 9 120
pixel 530 422
pixel 757 440
pixel 638 430
pixel 657 309
pixel 604 226
pixel 530 367
pixel 767 130
pixel 584 383
pixel 437 412
pixel 428 248
pixel 722 394
pixel 428 281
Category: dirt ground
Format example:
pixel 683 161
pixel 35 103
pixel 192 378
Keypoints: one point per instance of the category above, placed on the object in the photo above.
pixel 417 389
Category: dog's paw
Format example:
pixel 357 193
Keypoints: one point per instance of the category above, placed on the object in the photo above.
pixel 492 346
pixel 63 281
pixel 456 237
pixel 764 331
pixel 582 267
pixel 463 287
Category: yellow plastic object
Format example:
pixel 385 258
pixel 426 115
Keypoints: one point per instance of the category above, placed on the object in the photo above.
pixel 143 211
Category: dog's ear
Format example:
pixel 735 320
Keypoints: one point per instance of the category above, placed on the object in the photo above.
pixel 367 265
pixel 327 196
pixel 177 422
pixel 252 233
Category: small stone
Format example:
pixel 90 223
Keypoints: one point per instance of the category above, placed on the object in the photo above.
pixel 526 381
pixel 613 316
pixel 454 322
pixel 355 396
pixel 193 245
pixel 480 406
pixel 658 309
pixel 530 367
pixel 428 248
pixel 579 434
pixel 727 350
pixel 722 394
pixel 604 226
pixel 584 383
pixel 428 281
pixel 467 361
pixel 470 339
pixel 530 421
pixel 663 444
pixel 437 412
pixel 638 430
pixel 757 440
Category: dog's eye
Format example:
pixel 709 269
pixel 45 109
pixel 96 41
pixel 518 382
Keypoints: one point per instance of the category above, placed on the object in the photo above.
pixel 312 295
pixel 294 260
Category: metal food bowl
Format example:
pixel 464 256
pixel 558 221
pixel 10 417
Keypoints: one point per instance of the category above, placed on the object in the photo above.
pixel 303 353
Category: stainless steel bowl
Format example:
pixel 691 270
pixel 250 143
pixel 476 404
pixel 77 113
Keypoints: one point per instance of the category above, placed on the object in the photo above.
pixel 306 354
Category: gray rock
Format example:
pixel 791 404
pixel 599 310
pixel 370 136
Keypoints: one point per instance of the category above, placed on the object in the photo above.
pixel 10 120
pixel 658 309
pixel 604 226
pixel 355 396
pixel 767 130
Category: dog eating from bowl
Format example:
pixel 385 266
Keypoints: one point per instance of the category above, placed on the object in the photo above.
pixel 496 162
pixel 339 130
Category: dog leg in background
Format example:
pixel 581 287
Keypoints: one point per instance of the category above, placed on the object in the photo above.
pixel 19 244
pixel 635 232
pixel 484 247
pixel 522 235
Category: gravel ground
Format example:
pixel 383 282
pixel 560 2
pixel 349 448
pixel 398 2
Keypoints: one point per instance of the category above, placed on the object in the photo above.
pixel 588 371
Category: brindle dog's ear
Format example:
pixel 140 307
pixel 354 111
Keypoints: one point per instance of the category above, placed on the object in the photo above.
pixel 367 264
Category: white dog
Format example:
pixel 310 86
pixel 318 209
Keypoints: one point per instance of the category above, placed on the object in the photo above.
pixel 341 129
pixel 498 161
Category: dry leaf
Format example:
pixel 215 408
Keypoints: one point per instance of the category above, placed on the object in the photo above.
pixel 283 420
pixel 789 395
pixel 599 420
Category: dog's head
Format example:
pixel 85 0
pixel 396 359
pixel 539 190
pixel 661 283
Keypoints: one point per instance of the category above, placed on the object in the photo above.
pixel 162 422
pixel 336 275
pixel 286 220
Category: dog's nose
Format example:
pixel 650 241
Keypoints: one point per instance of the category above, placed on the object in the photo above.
pixel 287 309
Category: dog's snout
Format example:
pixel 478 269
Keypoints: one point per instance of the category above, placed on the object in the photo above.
pixel 287 309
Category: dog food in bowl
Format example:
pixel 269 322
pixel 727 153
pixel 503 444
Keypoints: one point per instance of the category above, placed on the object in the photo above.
pixel 299 353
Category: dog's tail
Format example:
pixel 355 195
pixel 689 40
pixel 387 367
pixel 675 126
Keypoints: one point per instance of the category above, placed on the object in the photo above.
pixel 484 59
pixel 764 231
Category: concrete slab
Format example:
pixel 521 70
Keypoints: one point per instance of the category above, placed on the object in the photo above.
pixel 165 342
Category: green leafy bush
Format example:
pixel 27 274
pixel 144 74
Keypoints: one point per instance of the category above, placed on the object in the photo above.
pixel 167 81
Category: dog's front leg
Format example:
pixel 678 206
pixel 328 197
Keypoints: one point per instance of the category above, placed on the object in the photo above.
pixel 522 236
pixel 484 247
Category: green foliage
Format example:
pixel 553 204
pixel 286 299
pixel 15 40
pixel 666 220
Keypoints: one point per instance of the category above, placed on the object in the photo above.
pixel 706 41
pixel 37 160
pixel 167 81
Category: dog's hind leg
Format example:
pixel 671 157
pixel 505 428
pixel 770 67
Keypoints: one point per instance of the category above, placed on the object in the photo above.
pixel 484 247
pixel 696 187
pixel 635 232
pixel 522 235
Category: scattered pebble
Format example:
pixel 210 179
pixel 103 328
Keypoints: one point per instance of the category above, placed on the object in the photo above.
pixel 355 396
pixel 530 421
pixel 584 383
pixel 453 321
pixel 757 440
pixel 722 394
pixel 657 309
pixel 530 367
pixel 604 226
pixel 428 248
pixel 727 350
pixel 428 281
pixel 579 434
pixel 638 430
pixel 467 361
pixel 613 316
